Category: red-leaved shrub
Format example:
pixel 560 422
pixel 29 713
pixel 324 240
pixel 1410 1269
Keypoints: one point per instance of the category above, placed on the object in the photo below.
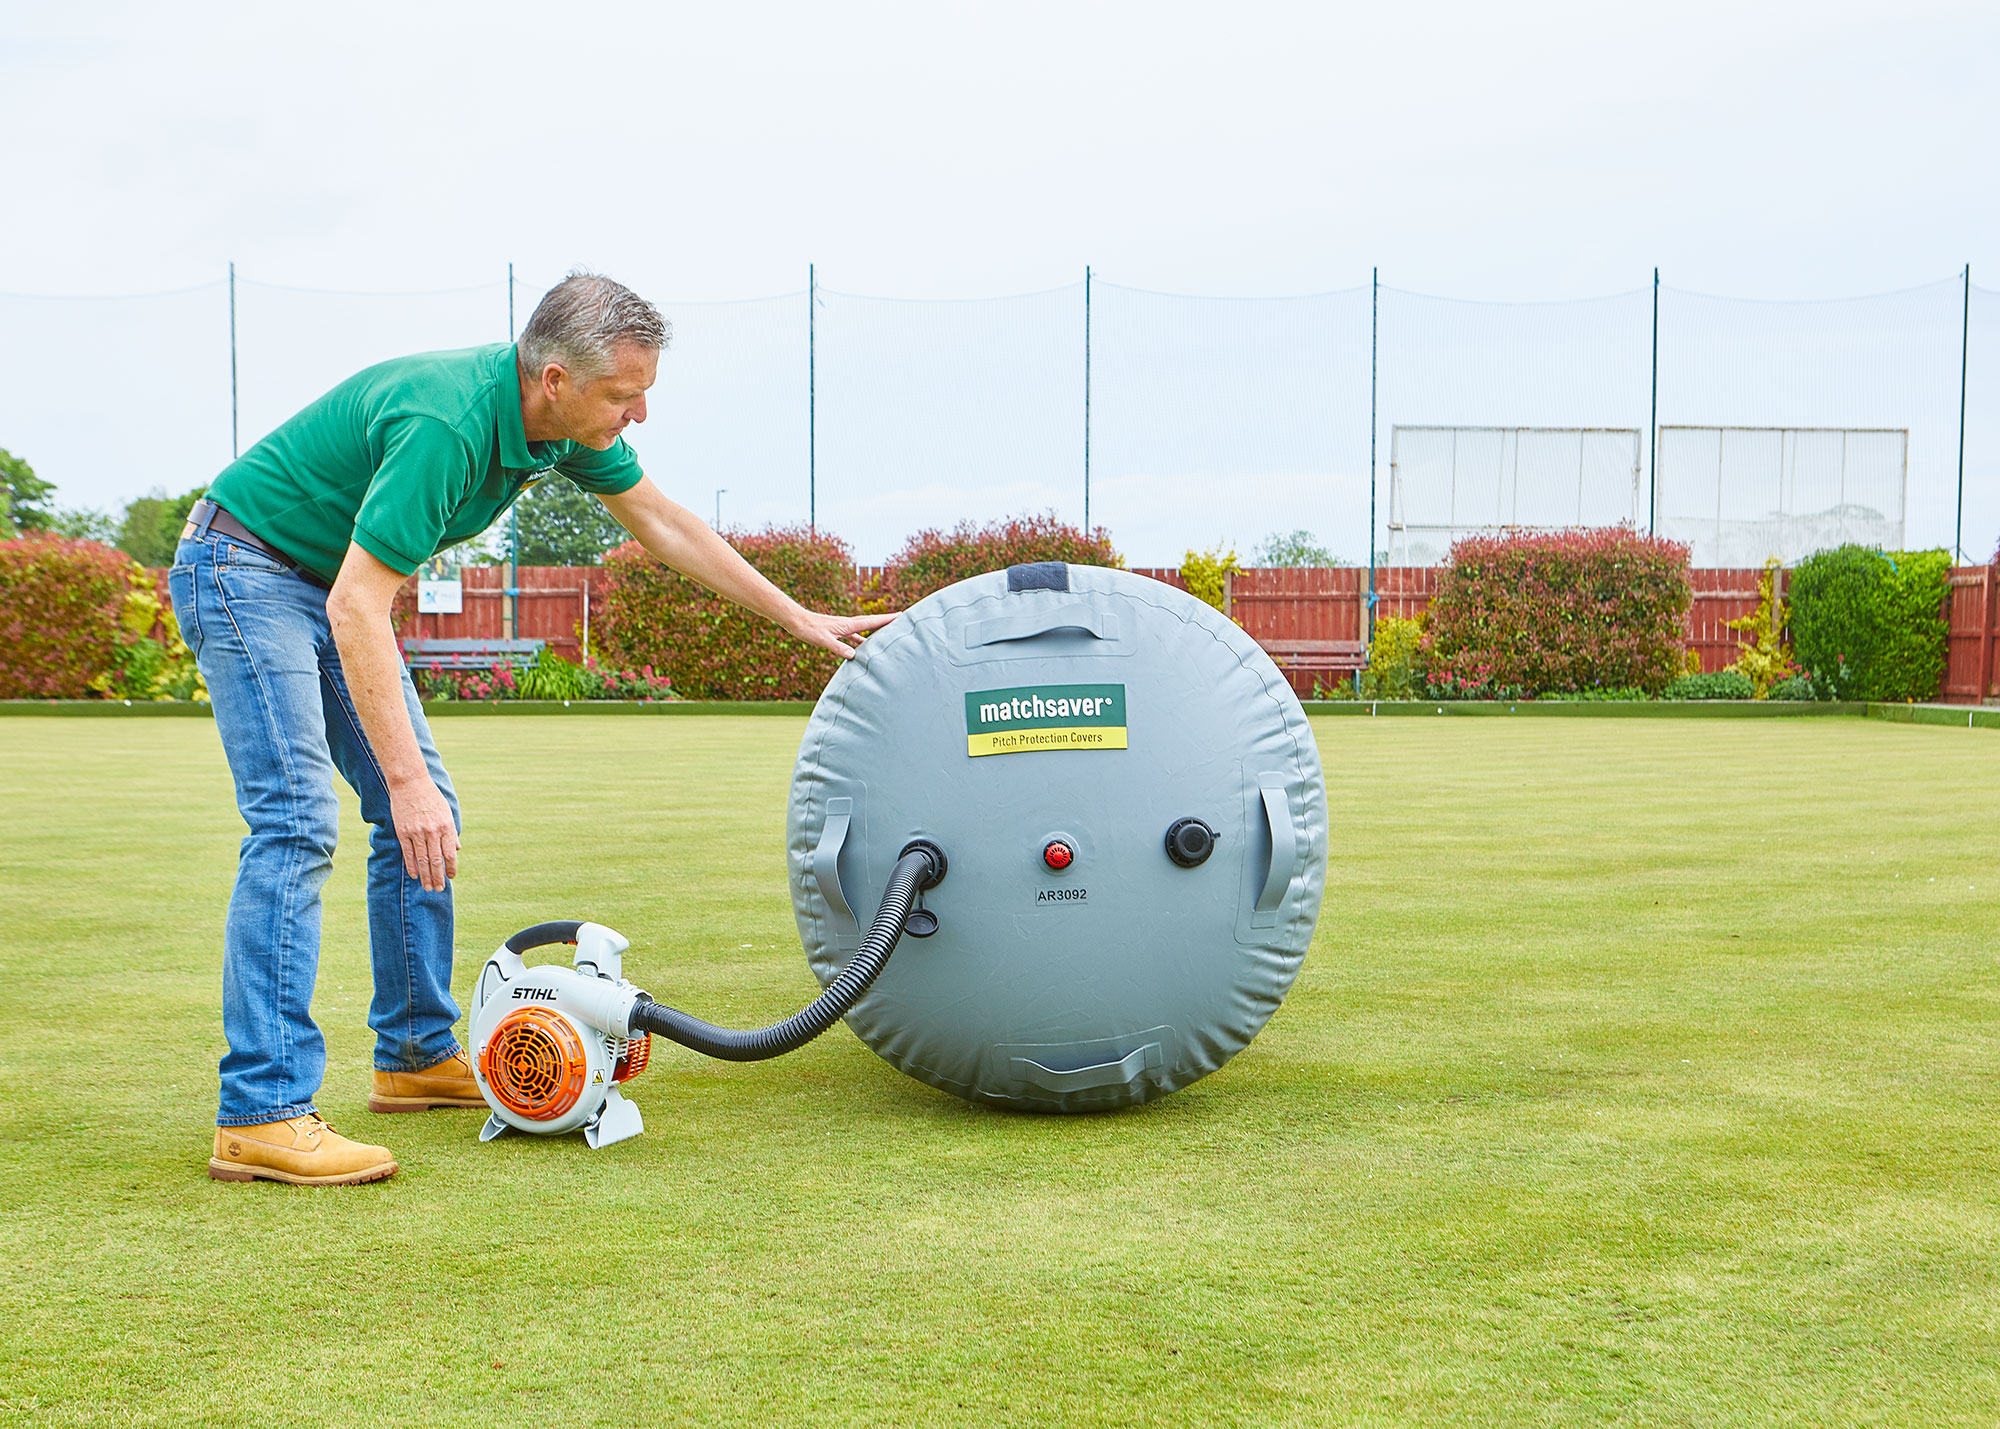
pixel 1560 612
pixel 59 607
pixel 932 560
pixel 712 648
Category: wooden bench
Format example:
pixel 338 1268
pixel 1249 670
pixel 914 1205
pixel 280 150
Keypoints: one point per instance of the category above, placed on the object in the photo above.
pixel 471 654
pixel 1305 661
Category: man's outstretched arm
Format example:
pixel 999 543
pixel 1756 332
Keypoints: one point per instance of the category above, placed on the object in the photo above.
pixel 358 608
pixel 680 538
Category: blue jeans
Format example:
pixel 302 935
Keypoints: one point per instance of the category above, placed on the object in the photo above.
pixel 261 637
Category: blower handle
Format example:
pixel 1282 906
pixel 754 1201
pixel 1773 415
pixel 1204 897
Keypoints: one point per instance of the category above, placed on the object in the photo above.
pixel 563 930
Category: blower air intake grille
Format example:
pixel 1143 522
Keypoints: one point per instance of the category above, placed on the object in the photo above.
pixel 534 1062
pixel 638 1052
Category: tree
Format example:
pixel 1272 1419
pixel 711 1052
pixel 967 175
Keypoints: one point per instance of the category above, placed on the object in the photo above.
pixel 24 497
pixel 1293 548
pixel 151 527
pixel 562 526
pixel 82 523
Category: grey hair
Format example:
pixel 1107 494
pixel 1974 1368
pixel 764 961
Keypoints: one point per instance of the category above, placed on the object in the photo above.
pixel 581 319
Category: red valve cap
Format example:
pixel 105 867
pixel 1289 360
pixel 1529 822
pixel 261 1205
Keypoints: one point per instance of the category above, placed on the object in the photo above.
pixel 1058 854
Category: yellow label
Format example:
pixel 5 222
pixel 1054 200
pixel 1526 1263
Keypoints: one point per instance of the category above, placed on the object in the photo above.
pixel 1021 741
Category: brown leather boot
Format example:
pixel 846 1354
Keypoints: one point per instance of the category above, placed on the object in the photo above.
pixel 449 1083
pixel 302 1151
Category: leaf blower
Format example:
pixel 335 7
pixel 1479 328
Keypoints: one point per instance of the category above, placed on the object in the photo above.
pixel 551 1045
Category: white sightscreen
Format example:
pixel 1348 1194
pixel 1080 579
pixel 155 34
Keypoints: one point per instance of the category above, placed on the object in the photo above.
pixel 1449 482
pixel 1740 495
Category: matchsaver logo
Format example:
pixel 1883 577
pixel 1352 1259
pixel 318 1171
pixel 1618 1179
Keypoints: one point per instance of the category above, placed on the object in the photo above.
pixel 1026 718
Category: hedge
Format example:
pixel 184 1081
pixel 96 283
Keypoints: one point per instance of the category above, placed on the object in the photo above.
pixel 1715 685
pixel 932 559
pixel 60 603
pixel 1395 653
pixel 1869 624
pixel 711 648
pixel 1557 613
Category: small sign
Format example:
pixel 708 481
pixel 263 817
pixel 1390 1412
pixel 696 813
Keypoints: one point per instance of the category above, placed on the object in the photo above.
pixel 440 597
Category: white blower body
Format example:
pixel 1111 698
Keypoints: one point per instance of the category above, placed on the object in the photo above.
pixel 552 1044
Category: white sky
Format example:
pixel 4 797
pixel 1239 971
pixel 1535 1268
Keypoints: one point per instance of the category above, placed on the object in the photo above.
pixel 956 150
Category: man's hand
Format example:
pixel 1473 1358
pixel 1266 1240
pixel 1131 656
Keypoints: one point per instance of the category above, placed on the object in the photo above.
pixel 838 633
pixel 425 830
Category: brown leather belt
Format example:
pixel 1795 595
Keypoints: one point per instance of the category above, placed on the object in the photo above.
pixel 207 516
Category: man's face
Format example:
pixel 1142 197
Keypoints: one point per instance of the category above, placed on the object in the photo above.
pixel 594 413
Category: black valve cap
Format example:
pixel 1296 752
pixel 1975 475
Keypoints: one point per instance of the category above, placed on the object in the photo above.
pixel 1190 842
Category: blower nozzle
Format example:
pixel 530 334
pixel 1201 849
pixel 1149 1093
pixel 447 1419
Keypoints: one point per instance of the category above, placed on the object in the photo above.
pixel 922 866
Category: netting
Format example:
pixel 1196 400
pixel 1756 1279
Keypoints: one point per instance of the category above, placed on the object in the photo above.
pixel 293 344
pixel 930 413
pixel 1449 482
pixel 1981 531
pixel 1740 495
pixel 1507 414
pixel 729 412
pixel 1211 421
pixel 1219 421
pixel 110 397
pixel 1888 363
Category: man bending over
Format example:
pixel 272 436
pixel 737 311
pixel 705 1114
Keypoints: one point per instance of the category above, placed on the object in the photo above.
pixel 283 582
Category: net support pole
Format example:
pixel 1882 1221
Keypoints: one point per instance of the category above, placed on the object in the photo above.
pixel 1086 399
pixel 1374 349
pixel 1653 424
pixel 235 449
pixel 513 606
pixel 812 403
pixel 1964 351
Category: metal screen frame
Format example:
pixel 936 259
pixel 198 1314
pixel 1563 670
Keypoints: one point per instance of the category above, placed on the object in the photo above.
pixel 1400 528
pixel 1788 451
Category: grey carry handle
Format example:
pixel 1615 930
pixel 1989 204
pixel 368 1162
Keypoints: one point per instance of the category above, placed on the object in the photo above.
pixel 1071 615
pixel 1104 1074
pixel 826 872
pixel 1277 806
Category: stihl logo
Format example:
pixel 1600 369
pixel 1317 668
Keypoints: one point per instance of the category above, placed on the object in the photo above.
pixel 534 994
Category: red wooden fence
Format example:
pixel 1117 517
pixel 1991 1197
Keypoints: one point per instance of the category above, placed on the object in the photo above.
pixel 1721 596
pixel 553 602
pixel 1973 625
pixel 558 603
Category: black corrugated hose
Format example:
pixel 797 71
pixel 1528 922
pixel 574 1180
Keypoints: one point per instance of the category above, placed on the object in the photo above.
pixel 921 866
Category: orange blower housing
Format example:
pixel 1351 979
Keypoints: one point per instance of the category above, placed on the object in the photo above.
pixel 552 1045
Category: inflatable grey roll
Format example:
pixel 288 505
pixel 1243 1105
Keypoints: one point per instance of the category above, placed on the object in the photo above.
pixel 1132 805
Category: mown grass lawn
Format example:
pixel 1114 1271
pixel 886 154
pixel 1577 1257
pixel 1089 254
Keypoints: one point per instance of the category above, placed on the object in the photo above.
pixel 1643 1072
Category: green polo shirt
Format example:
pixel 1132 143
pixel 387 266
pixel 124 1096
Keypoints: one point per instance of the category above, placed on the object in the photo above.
pixel 405 459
